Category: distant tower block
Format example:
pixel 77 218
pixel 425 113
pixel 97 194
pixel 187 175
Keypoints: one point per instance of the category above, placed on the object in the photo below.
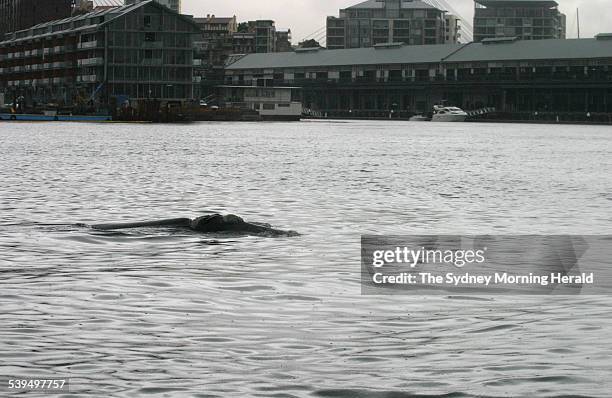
pixel 174 5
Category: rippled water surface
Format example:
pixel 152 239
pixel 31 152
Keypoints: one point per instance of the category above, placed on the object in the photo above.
pixel 176 313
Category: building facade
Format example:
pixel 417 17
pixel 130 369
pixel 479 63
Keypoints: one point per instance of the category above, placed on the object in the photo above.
pixel 525 19
pixel 174 5
pixel 135 52
pixel 21 14
pixel 373 22
pixel 522 77
pixel 215 42
pixel 283 41
pixel 452 29
pixel 265 35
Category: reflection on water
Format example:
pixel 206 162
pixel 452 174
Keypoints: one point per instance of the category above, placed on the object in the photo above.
pixel 177 313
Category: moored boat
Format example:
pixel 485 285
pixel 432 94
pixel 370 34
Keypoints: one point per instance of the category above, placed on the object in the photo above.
pixel 448 114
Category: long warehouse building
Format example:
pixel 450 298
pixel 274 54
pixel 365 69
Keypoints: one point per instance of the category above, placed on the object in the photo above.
pixel 508 74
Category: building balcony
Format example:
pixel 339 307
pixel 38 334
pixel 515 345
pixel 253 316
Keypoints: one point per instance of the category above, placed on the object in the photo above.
pixel 90 61
pixel 152 44
pixel 88 44
pixel 152 62
pixel 87 78
pixel 41 82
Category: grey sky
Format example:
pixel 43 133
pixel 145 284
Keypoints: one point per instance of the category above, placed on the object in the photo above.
pixel 304 17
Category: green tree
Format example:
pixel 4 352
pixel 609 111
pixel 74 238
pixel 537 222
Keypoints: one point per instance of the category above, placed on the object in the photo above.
pixel 312 43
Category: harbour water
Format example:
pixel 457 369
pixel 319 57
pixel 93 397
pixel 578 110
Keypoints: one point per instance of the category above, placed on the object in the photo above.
pixel 175 313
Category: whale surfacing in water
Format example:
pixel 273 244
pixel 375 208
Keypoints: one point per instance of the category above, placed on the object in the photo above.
pixel 206 224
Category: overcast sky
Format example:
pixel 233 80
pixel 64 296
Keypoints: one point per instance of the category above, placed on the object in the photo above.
pixel 304 17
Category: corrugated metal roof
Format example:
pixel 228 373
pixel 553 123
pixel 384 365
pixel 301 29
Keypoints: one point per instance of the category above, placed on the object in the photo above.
pixel 473 52
pixel 355 56
pixel 534 50
pixel 109 14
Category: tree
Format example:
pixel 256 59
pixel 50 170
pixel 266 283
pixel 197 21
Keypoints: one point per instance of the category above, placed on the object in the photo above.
pixel 243 27
pixel 312 43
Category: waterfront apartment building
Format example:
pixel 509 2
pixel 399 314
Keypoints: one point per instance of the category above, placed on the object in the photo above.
pixel 452 29
pixel 517 76
pixel 174 5
pixel 525 19
pixel 373 22
pixel 265 35
pixel 21 14
pixel 215 42
pixel 283 41
pixel 138 51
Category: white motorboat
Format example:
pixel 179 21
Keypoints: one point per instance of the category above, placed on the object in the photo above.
pixel 448 114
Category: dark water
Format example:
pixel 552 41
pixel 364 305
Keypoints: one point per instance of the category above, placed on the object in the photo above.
pixel 175 313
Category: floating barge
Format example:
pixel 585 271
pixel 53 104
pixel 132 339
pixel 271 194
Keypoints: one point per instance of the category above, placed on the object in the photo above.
pixel 52 118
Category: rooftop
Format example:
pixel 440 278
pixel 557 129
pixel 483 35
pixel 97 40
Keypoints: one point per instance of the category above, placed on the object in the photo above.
pixel 505 3
pixel 377 4
pixel 354 56
pixel 219 20
pixel 502 50
pixel 92 20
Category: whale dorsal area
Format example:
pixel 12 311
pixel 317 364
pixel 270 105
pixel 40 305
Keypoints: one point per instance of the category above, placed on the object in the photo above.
pixel 173 222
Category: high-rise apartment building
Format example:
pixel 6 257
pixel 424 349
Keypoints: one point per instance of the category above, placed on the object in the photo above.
pixel 452 29
pixel 373 22
pixel 174 5
pixel 524 19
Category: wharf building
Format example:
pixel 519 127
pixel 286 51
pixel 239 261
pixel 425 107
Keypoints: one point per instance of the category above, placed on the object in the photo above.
pixel 21 14
pixel 373 22
pixel 525 19
pixel 139 51
pixel 513 76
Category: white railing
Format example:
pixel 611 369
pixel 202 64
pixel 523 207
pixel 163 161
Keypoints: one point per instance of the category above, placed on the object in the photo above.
pixel 90 61
pixel 88 44
pixel 87 78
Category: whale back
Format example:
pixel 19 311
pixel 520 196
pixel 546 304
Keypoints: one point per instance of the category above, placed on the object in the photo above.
pixel 173 222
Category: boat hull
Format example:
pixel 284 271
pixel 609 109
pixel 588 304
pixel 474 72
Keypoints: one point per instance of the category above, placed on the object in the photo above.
pixel 449 118
pixel 51 118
